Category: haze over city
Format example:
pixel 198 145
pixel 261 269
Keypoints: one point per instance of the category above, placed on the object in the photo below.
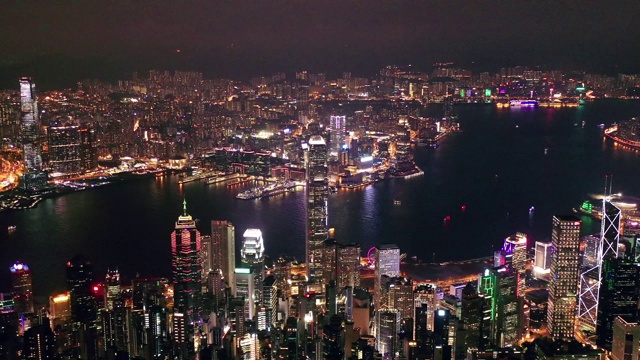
pixel 60 42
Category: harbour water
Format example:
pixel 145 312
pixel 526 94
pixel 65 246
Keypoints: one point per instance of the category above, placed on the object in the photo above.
pixel 486 179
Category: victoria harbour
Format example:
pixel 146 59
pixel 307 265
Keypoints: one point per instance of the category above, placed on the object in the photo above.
pixel 508 170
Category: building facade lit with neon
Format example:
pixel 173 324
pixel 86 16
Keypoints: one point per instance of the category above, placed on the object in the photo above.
pixel 186 243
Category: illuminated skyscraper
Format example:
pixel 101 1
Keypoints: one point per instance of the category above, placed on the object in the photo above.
pixel 387 263
pixel 337 129
pixel 34 178
pixel 499 287
pixel 317 197
pixel 597 251
pixel 112 288
pixel 39 342
pixel 22 288
pixel 516 245
pixel 79 278
pixel 619 295
pixel 59 308
pixel 252 254
pixel 348 265
pixel 245 289
pixel 542 262
pixel 64 147
pixel 223 249
pixel 187 281
pixel 31 147
pixel 388 325
pixel 565 266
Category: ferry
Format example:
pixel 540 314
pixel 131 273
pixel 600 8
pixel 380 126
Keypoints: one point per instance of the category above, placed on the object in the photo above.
pixel 276 188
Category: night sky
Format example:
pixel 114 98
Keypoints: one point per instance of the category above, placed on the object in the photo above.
pixel 60 42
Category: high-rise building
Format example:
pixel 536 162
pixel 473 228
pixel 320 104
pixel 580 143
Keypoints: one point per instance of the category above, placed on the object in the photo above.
pixel 88 153
pixel 387 263
pixel 619 295
pixel 397 293
pixel 388 325
pixel 223 249
pixel 565 266
pixel 348 265
pixel 39 342
pixel 516 245
pixel 542 261
pixel 60 307
pixel 245 289
pixel 186 243
pixel 473 309
pixel 117 329
pixel 34 178
pixel 317 193
pixel 63 138
pixel 112 288
pixel 591 274
pixel 499 287
pixel 22 288
pixel 333 339
pixel 252 254
pixel 329 260
pixel 79 279
pixel 270 300
pixel 32 150
pixel 337 129
pixel 427 295
pixel 626 337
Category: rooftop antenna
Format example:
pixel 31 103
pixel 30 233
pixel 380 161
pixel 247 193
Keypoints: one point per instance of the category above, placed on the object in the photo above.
pixel 184 205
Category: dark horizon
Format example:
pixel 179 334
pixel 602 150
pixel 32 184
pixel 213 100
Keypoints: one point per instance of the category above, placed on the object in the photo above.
pixel 67 42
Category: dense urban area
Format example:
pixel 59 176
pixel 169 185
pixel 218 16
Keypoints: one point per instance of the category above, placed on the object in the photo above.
pixel 573 297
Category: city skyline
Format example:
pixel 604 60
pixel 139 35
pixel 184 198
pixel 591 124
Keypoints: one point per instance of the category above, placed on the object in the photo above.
pixel 225 39
pixel 394 215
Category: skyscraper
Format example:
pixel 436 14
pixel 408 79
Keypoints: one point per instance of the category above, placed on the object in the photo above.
pixel 31 147
pixel 565 265
pixel 516 245
pixel 22 288
pixel 499 287
pixel 34 178
pixel 187 281
pixel 337 129
pixel 112 288
pixel 223 249
pixel 542 261
pixel 252 254
pixel 245 289
pixel 596 252
pixel 79 278
pixel 387 263
pixel 619 295
pixel 64 147
pixel 348 265
pixel 39 342
pixel 317 197
pixel 388 325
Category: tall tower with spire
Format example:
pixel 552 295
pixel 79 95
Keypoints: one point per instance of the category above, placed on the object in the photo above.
pixel 187 282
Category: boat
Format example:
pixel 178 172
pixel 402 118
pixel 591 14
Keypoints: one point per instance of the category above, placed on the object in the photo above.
pixel 11 228
pixel 397 202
